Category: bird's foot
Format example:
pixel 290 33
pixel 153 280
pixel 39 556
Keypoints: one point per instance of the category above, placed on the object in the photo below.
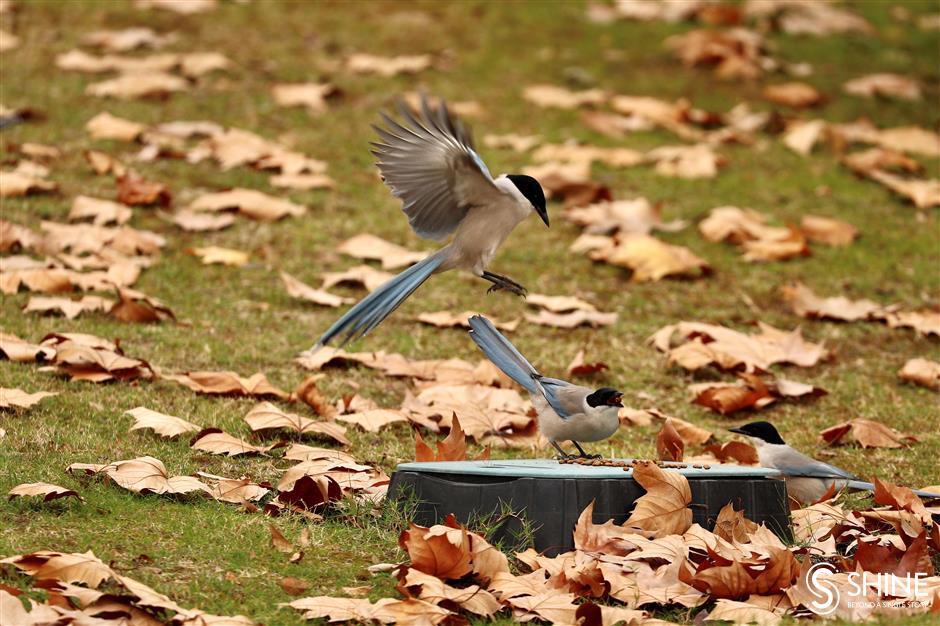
pixel 588 456
pixel 503 283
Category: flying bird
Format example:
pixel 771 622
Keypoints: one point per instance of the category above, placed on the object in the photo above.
pixel 566 412
pixel 808 480
pixel 428 161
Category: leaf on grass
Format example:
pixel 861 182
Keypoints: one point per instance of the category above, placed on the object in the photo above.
pixel 573 319
pixel 562 98
pixel 139 308
pixel 95 362
pixel 228 383
pixel 867 433
pixel 107 126
pixel 46 490
pixel 578 367
pixel 637 216
pixel 922 193
pixel 164 425
pixel 223 256
pixel 742 613
pixel 387 66
pixel 248 202
pixel 196 222
pixel 302 181
pixel 373 420
pixel 801 135
pixel 559 304
pixel 146 475
pixel 14 184
pixel 66 306
pixel 669 445
pixel 63 566
pixel 696 161
pixel 135 191
pixel 794 94
pixel 385 610
pixel 651 259
pixel 100 212
pixel 443 550
pixel 19 399
pixel 734 53
pixel 312 96
pixel 127 39
pixel 512 141
pixel 451 448
pixel 446 319
pixel 363 275
pixel 303 291
pixel 149 84
pixel 473 599
pixel 925 322
pixel 921 372
pixel 827 230
pixel 216 441
pixel 236 491
pixel 15 349
pixel 308 393
pixel 663 509
pixel 266 416
pixel 370 247
pixel 884 85
pixel 293 586
pixel 279 541
pixel 308 493
pixel 805 303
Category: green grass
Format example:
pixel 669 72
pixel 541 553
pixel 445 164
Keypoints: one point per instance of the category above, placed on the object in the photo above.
pixel 217 558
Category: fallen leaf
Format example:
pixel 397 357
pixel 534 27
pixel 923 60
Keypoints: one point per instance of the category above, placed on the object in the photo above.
pixel 183 7
pixel 735 53
pixel 805 303
pixel 571 152
pixel 615 125
pixel 442 550
pixel 578 367
pixel 559 97
pixel 248 202
pixel 46 490
pixel 387 66
pixel 100 212
pixel 827 230
pixel 312 96
pixel 867 433
pixel 573 319
pixel 368 277
pixel 308 393
pixel 302 181
pixel 303 291
pixel 663 509
pixel 236 491
pixel 139 308
pixel 194 221
pixel 148 475
pixel 127 39
pixel 925 322
pixel 742 613
pixel 921 372
pixel 801 136
pixel 140 85
pixel 637 216
pixel 136 191
pixel 94 362
pixel 446 319
pixel 107 126
pixel 451 448
pixel 14 184
pixel 385 610
pixel 697 161
pixel 512 141
pixel 266 416
pixel 293 586
pixel 651 259
pixel 63 566
pixel 215 441
pixel 669 445
pixel 737 451
pixel 473 599
pixel 279 541
pixel 370 247
pixel 66 306
pixel 373 420
pixel 164 425
pixel 793 94
pixel 559 304
pixel 223 256
pixel 884 85
pixel 922 193
pixel 228 383
pixel 17 398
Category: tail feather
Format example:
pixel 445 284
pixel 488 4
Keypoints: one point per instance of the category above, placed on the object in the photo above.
pixel 503 354
pixel 374 308
pixel 863 486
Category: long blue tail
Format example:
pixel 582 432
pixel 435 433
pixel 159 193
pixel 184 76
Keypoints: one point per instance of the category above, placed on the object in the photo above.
pixel 371 310
pixel 503 354
pixel 857 484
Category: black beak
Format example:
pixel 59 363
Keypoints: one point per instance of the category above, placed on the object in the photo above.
pixel 737 430
pixel 543 213
pixel 616 401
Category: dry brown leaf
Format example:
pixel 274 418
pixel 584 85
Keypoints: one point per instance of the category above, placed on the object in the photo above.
pixel 100 212
pixel 802 301
pixel 107 126
pixel 578 367
pixel 13 184
pixel 229 384
pixel 370 247
pixel 884 85
pixel 651 259
pixel 308 393
pixel 473 599
pixel 614 125
pixel 735 53
pixel 224 256
pixel 384 611
pixel 364 275
pixel 696 161
pixel 373 420
pixel 742 613
pixel 139 308
pixel 735 451
pixel 828 230
pixel 266 416
pixel 136 191
pixel 248 202
pixel 312 96
pixel 66 306
pixel 921 372
pixel 293 586
pixel 388 66
pixel 236 491
pixel 669 445
pixel 663 509
pixel 451 448
pixel 793 94
pixel 194 221
pixel 867 433
pixel 63 566
pixel 15 349
pixel 46 490
pixel 95 362
pixel 572 152
pixel 750 392
pixel 303 291
pixel 925 322
pixel 801 136
pixel 447 319
pixel 594 319
pixel 127 39
pixel 164 425
pixel 559 97
pixel 148 475
pixel 559 304
pixel 215 441
pixel 142 85
pixel 512 141
pixel 183 7
pixel 637 216
pixel 302 181
pixel 922 193
pixel 8 41
pixel 17 398
pixel 442 550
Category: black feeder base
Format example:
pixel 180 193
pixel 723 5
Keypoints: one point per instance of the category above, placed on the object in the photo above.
pixel 551 495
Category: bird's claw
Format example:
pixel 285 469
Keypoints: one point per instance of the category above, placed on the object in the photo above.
pixel 589 456
pixel 510 286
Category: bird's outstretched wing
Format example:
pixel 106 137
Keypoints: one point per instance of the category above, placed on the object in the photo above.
pixel 429 163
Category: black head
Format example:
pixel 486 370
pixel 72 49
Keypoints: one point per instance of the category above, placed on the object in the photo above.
pixel 760 430
pixel 605 396
pixel 532 190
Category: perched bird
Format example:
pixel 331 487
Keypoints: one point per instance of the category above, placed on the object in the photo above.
pixel 566 412
pixel 808 480
pixel 429 163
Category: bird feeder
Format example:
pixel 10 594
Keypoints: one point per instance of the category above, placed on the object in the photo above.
pixel 551 495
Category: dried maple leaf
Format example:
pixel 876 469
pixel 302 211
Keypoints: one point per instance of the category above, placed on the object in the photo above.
pixel 293 586
pixel 14 184
pixel 737 451
pixel 135 191
pixel 15 349
pixel 742 613
pixel 925 322
pixel 578 367
pixel 651 259
pixel 827 230
pixel 900 498
pixel 922 193
pixel 370 247
pixel 196 222
pixel 364 275
pixel 312 96
pixel 559 97
pixel 637 216
pixel 95 362
pixel 248 202
pixel 697 161
pixel 793 94
pixel 224 256
pixel 921 372
pixel 884 85
pixel 46 490
pixel 145 84
pixel 228 383
pixel 801 135
pixel 17 398
pixel 237 491
pixel 451 448
pixel 387 66
pixel 107 126
pixel 867 433
pixel 63 566
pixel 663 509
pixel 164 425
pixel 373 420
pixel 385 610
pixel 549 606
pixel 182 7
pixel 127 39
pixel 750 392
pixel 669 445
pixel 146 475
pixel 216 441
pixel 805 303
pixel 442 550
pixel 558 304
pixel 594 319
pixel 302 181
pixel 297 289
pixel 446 319
pixel 513 141
pixel 266 416
pixel 137 307
pixel 735 53
pixel 473 599
pixel 100 212
pixel 308 393
pixel 68 307
pixel 308 492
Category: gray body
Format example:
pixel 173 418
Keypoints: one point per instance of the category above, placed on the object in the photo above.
pixel 429 163
pixel 563 410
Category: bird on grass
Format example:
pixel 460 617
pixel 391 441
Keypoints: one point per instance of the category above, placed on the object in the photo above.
pixel 428 161
pixel 808 480
pixel 566 412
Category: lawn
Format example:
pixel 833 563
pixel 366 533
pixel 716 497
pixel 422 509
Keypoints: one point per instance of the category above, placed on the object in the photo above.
pixel 218 558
